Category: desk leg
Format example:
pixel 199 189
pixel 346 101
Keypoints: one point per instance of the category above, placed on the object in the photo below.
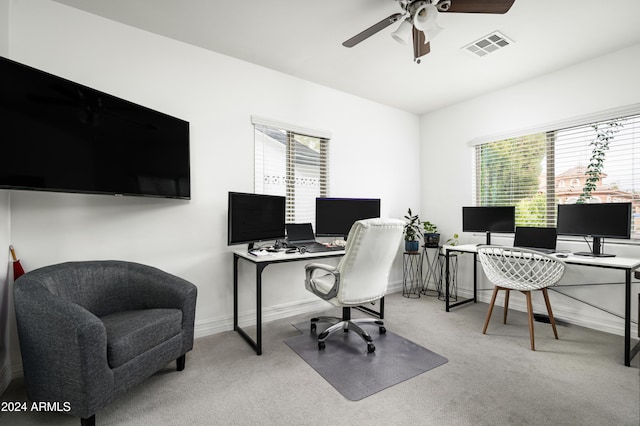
pixel 627 319
pixel 459 302
pixel 367 310
pixel 446 281
pixel 259 269
pixel 475 277
pixel 257 344
pixel 235 291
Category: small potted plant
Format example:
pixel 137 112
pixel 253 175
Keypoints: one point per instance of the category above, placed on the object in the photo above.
pixel 431 235
pixel 412 232
pixel 453 241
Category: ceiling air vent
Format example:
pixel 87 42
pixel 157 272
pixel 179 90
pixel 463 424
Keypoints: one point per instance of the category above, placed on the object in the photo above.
pixel 488 44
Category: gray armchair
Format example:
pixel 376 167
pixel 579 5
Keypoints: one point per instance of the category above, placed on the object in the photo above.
pixel 91 330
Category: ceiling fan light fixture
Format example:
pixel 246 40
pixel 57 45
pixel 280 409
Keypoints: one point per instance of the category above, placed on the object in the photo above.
pixel 403 34
pixel 425 19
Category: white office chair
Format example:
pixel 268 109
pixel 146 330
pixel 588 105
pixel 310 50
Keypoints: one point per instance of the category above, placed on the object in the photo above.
pixel 523 270
pixel 361 276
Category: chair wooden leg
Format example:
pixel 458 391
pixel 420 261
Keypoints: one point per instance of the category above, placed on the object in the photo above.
pixel 506 304
pixel 493 301
pixel 551 319
pixel 530 312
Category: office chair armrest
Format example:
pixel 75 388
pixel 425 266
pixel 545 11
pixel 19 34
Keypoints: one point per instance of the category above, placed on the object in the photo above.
pixel 311 285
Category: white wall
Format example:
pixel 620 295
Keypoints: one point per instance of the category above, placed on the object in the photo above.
pixel 217 95
pixel 600 84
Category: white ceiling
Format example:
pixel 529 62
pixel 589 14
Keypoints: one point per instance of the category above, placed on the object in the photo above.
pixel 303 38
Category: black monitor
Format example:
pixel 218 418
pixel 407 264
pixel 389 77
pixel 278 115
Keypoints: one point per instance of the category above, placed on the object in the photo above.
pixel 605 220
pixel 58 135
pixel 489 219
pixel 255 217
pixel 335 216
pixel 535 237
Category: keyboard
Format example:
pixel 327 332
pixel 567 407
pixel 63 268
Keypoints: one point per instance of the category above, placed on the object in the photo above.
pixel 316 247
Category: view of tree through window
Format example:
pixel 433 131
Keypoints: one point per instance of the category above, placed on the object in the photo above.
pixel 593 163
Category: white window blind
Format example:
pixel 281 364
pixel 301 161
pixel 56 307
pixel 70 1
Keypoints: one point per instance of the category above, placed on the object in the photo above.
pixel 294 165
pixel 597 162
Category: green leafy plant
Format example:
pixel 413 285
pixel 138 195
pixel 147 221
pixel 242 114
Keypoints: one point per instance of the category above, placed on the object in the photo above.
pixel 453 241
pixel 605 133
pixel 429 228
pixel 412 228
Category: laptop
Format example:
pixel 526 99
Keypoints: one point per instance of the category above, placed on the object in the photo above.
pixel 535 238
pixel 301 234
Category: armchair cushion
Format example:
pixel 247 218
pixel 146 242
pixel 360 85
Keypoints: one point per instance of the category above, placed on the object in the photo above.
pixel 132 333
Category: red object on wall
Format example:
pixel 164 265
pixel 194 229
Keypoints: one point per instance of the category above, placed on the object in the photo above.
pixel 17 267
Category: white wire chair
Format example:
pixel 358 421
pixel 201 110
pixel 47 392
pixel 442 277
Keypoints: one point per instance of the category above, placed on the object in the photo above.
pixel 524 270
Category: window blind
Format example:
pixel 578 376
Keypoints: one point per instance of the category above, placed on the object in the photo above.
pixel 598 162
pixel 294 165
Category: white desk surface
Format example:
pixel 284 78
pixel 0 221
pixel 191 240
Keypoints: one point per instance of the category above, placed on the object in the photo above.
pixel 605 262
pixel 282 256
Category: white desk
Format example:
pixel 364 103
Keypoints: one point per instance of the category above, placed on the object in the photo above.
pixel 260 263
pixel 628 265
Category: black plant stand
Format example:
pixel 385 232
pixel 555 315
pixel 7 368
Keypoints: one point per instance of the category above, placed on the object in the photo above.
pixel 411 274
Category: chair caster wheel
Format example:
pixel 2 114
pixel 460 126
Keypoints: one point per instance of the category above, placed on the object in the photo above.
pixel 321 346
pixel 313 326
pixel 370 348
pixel 382 330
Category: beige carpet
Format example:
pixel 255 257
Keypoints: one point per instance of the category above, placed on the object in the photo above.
pixel 492 379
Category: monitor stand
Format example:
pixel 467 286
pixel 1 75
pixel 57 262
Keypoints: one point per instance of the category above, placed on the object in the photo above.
pixel 597 250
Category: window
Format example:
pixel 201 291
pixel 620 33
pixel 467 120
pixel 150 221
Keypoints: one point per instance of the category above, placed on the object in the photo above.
pixel 293 163
pixel 597 162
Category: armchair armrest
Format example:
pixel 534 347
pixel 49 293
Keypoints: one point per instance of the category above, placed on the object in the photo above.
pixel 311 282
pixel 63 349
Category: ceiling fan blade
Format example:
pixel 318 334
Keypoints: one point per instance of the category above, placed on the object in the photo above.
pixel 420 48
pixel 372 30
pixel 480 6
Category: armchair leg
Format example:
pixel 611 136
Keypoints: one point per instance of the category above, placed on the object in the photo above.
pixel 180 362
pixel 89 421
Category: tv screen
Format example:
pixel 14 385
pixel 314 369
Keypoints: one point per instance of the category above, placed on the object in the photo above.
pixel 611 220
pixel 335 216
pixel 491 219
pixel 57 135
pixel 255 217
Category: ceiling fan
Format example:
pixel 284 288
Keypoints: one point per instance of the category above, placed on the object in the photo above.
pixel 420 20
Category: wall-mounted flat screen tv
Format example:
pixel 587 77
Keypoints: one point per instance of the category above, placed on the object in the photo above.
pixel 57 135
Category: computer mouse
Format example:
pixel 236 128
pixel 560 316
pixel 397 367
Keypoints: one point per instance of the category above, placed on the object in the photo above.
pixel 562 255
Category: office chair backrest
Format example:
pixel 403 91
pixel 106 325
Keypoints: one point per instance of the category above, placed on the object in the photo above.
pixel 520 269
pixel 372 246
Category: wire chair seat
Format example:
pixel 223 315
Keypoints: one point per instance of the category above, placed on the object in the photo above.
pixel 520 269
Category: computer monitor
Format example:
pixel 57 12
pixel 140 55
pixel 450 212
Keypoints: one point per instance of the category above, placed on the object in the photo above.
pixel 335 216
pixel 602 220
pixel 255 217
pixel 488 219
pixel 535 237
